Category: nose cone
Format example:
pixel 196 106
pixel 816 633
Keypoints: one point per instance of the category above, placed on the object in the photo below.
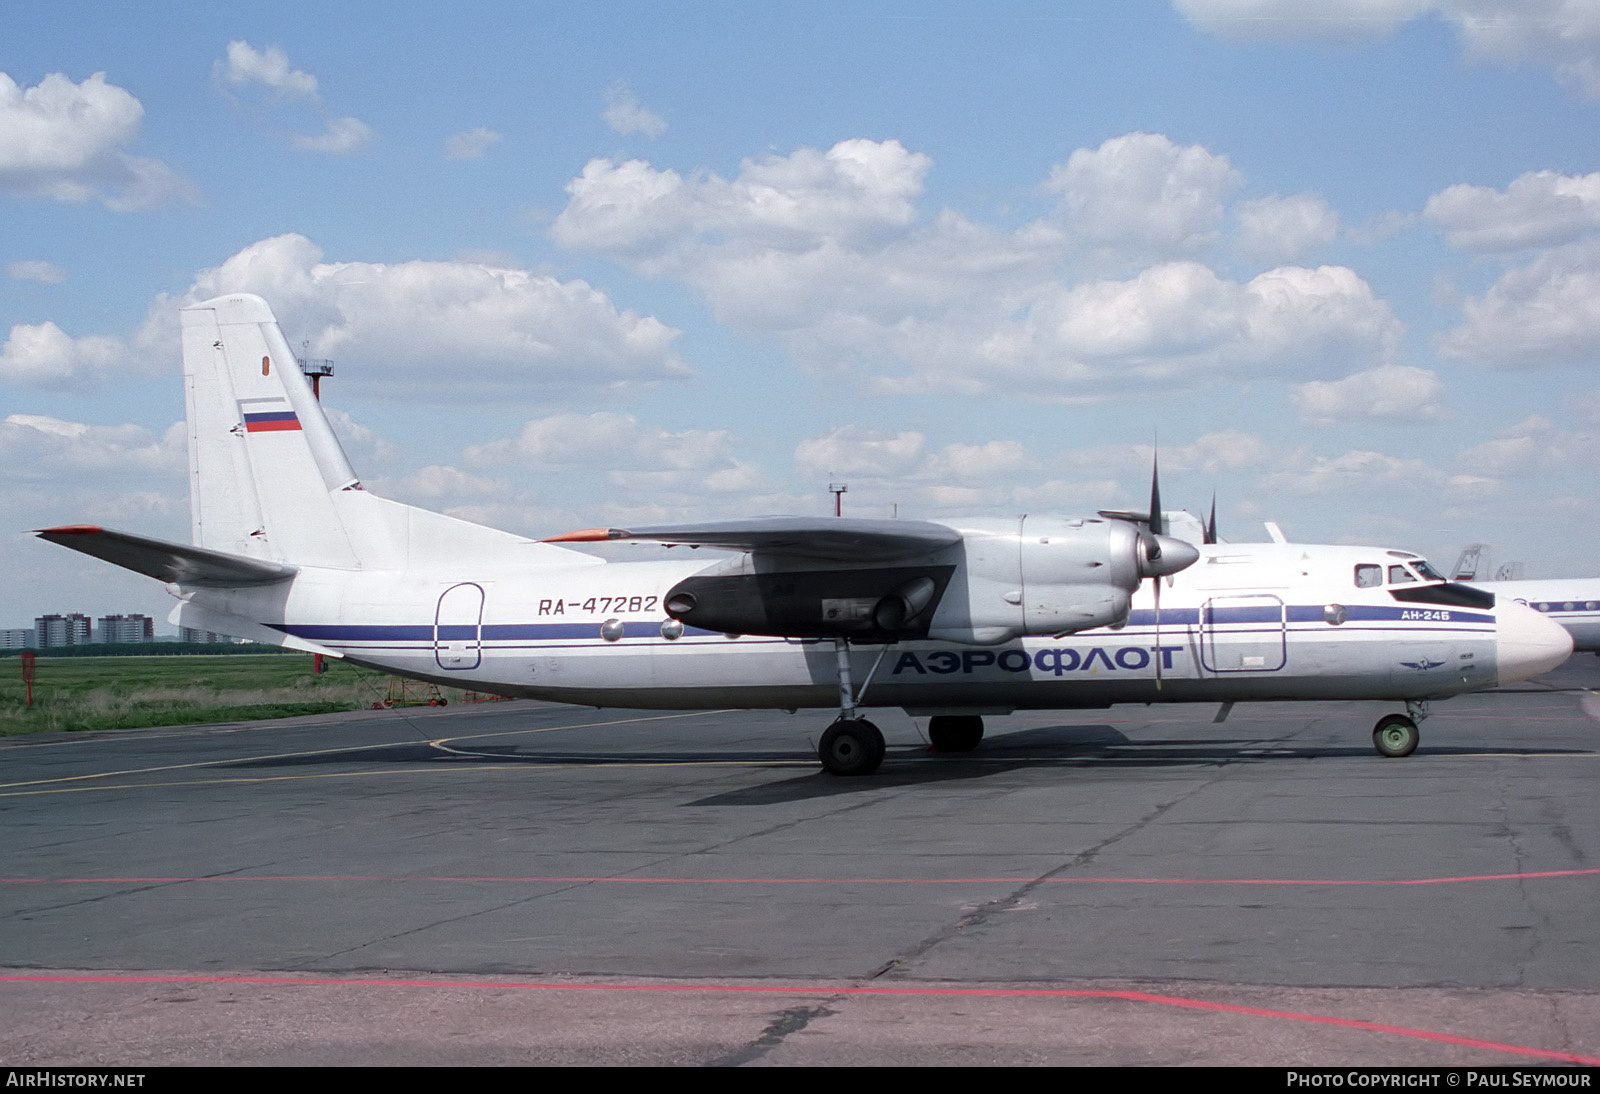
pixel 1527 643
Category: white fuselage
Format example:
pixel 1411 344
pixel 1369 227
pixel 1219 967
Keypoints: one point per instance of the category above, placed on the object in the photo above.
pixel 1246 622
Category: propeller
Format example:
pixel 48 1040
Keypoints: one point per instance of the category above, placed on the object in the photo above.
pixel 1158 554
pixel 1158 528
pixel 1211 524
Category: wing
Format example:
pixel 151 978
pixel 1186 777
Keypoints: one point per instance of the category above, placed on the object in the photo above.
pixel 175 562
pixel 831 539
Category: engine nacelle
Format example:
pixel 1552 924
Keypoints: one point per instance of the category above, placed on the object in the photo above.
pixel 1051 575
pixel 1036 575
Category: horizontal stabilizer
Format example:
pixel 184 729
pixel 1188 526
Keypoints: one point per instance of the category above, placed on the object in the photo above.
pixel 179 563
pixel 833 538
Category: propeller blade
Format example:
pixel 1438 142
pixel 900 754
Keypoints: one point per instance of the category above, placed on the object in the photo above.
pixel 1158 530
pixel 1211 525
pixel 1158 520
pixel 1158 632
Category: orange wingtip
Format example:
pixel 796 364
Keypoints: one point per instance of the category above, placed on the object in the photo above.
pixel 71 530
pixel 587 535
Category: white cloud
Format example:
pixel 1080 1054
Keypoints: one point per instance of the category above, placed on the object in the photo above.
pixel 470 144
pixel 624 114
pixel 1002 476
pixel 1355 470
pixel 851 450
pixel 66 142
pixel 634 456
pixel 980 462
pixel 268 68
pixel 35 447
pixel 446 326
pixel 856 191
pixel 1547 311
pixel 1389 391
pixel 1538 209
pixel 1561 35
pixel 1533 446
pixel 831 253
pixel 1284 229
pixel 1141 190
pixel 46 273
pixel 342 135
pixel 44 355
pixel 366 449
pixel 439 481
pixel 1181 317
pixel 1250 19
pixel 247 68
pixel 1220 450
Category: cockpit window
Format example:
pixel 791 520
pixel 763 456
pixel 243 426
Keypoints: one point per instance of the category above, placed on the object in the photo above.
pixel 1399 575
pixel 1428 572
pixel 1369 577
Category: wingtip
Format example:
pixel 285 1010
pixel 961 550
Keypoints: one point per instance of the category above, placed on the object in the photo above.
pixel 70 530
pixel 588 535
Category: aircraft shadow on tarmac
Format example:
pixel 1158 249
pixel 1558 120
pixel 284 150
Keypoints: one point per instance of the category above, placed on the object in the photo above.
pixel 1068 745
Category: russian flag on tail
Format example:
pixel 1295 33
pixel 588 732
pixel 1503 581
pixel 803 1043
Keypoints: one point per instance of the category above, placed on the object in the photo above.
pixel 271 422
pixel 268 416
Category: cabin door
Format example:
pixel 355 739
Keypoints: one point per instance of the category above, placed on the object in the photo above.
pixel 1243 634
pixel 458 627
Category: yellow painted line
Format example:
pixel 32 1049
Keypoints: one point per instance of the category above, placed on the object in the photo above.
pixel 442 742
pixel 435 742
pixel 476 768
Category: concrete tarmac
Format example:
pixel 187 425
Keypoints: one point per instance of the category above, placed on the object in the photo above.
pixel 514 883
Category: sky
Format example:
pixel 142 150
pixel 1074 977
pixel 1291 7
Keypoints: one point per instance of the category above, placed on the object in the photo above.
pixel 607 263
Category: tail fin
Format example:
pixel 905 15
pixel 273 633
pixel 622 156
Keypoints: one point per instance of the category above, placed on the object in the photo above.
pixel 263 461
pixel 268 478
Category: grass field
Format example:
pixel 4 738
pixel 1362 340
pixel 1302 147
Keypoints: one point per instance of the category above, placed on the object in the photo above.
pixel 87 693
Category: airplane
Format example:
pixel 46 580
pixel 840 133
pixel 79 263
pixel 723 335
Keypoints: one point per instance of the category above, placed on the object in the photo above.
pixel 1572 602
pixel 954 620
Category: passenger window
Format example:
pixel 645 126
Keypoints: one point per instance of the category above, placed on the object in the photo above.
pixel 1399 575
pixel 1369 577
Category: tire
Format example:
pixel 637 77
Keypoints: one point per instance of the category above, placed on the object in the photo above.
pixel 955 732
pixel 851 747
pixel 1395 735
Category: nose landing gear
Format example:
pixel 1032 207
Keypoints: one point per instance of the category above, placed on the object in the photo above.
pixel 1396 735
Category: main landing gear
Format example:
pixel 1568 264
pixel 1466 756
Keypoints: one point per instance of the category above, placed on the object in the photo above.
pixel 1396 734
pixel 955 732
pixel 852 745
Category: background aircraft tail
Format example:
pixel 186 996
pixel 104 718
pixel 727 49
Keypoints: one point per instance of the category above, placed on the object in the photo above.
pixel 269 480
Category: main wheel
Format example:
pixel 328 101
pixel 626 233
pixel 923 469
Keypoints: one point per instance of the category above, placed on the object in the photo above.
pixel 1395 735
pixel 955 732
pixel 852 746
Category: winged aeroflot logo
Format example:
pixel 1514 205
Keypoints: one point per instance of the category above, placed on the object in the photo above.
pixel 1422 664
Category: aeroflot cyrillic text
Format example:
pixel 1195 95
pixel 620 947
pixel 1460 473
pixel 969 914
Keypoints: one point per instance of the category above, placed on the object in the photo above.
pixel 1059 660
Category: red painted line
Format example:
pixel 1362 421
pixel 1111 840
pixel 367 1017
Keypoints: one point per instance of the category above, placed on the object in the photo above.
pixel 583 879
pixel 801 989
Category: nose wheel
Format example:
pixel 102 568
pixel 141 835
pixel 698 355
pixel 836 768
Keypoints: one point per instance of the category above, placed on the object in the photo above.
pixel 1395 735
